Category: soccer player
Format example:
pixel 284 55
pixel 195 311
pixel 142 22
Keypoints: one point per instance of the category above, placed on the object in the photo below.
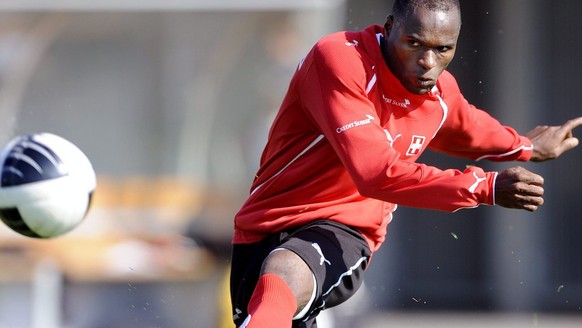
pixel 342 154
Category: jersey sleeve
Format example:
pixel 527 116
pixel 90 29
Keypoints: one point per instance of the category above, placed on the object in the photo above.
pixel 333 90
pixel 472 133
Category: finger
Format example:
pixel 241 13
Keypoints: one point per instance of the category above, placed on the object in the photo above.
pixel 569 143
pixel 571 124
pixel 525 201
pixel 524 176
pixel 532 190
pixel 529 178
pixel 531 208
pixel 523 190
pixel 569 135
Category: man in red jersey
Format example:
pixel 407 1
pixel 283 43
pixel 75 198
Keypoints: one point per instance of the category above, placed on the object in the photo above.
pixel 341 155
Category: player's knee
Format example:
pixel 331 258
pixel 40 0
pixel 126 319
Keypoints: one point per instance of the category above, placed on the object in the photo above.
pixel 294 271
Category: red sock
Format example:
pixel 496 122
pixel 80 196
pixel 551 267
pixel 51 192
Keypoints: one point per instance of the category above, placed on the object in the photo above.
pixel 273 304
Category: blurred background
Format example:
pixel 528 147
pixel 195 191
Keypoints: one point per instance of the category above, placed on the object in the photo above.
pixel 172 101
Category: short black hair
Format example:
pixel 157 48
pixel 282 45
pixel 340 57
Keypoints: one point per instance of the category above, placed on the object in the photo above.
pixel 403 8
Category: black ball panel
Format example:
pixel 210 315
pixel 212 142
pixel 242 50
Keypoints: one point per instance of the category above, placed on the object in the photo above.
pixel 30 161
pixel 12 218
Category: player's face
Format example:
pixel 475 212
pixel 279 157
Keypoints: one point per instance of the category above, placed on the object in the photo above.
pixel 419 48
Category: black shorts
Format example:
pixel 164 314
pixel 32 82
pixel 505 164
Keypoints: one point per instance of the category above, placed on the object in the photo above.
pixel 336 254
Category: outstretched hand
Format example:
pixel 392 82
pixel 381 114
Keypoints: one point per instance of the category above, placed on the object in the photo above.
pixel 519 188
pixel 552 141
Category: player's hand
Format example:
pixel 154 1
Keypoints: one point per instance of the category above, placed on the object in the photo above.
pixel 519 188
pixel 552 141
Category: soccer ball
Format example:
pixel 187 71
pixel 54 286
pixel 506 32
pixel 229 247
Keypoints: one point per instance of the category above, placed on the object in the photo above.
pixel 46 185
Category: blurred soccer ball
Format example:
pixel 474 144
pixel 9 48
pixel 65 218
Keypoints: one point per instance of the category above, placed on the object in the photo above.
pixel 46 185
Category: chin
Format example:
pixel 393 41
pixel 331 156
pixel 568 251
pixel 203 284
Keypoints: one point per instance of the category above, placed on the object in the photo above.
pixel 418 91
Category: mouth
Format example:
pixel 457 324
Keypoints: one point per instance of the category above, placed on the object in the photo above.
pixel 419 83
pixel 424 84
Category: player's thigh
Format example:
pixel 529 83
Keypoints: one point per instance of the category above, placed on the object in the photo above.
pixel 293 270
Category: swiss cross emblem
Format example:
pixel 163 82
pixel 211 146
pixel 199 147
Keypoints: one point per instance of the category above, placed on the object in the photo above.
pixel 415 145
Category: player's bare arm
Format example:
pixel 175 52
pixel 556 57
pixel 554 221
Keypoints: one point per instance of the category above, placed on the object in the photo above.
pixel 552 141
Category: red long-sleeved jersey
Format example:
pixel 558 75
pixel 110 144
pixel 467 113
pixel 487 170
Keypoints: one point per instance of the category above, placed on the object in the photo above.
pixel 344 144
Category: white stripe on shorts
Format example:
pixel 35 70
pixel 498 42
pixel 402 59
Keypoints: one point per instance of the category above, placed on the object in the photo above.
pixel 347 273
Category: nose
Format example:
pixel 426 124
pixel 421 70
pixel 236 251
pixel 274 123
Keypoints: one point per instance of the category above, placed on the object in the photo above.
pixel 427 59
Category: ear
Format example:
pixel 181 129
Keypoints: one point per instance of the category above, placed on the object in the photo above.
pixel 388 25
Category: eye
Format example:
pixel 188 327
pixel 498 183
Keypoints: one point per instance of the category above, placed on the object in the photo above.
pixel 414 43
pixel 443 49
